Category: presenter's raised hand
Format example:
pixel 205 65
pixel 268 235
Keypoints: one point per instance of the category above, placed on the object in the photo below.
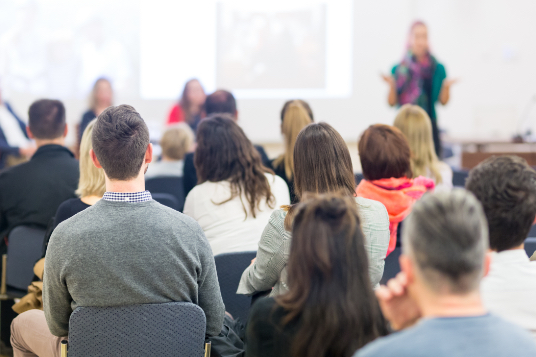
pixel 387 78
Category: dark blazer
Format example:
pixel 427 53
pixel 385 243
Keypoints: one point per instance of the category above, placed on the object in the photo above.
pixel 190 175
pixel 30 193
pixel 5 149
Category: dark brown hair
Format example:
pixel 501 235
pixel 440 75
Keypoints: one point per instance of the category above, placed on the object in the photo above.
pixel 47 119
pixel 221 101
pixel 185 103
pixel 120 139
pixel 506 188
pixel 384 153
pixel 322 164
pixel 330 292
pixel 225 153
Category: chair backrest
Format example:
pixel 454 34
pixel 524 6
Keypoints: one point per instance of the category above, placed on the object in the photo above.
pixel 24 250
pixel 169 329
pixel 530 246
pixel 358 178
pixel 459 177
pixel 167 200
pixel 392 267
pixel 170 185
pixel 229 267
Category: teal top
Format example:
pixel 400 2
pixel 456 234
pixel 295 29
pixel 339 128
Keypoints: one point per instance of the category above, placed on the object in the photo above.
pixel 437 82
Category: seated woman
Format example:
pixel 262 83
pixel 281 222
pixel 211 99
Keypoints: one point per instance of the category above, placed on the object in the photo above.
pixel 236 194
pixel 322 164
pixel 416 126
pixel 101 97
pixel 295 115
pixel 330 308
pixel 175 143
pixel 91 185
pixel 385 159
pixel 190 105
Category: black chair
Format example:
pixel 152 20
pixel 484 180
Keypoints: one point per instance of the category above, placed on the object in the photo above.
pixel 167 200
pixel 23 251
pixel 530 246
pixel 167 184
pixel 459 177
pixel 230 267
pixel 358 178
pixel 392 266
pixel 532 232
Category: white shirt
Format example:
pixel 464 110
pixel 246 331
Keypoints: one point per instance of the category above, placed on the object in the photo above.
pixel 509 290
pixel 11 128
pixel 446 177
pixel 165 168
pixel 225 225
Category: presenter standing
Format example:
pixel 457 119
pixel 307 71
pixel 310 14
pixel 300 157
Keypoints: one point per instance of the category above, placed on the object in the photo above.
pixel 419 79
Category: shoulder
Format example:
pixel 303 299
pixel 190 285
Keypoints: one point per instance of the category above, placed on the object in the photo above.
pixel 397 344
pixel 263 306
pixel 394 68
pixel 68 204
pixel 275 180
pixel 277 218
pixel 440 70
pixel 367 205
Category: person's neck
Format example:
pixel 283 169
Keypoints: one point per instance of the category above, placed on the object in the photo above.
pixel 519 247
pixel 43 142
pixel 446 304
pixel 167 159
pixel 131 186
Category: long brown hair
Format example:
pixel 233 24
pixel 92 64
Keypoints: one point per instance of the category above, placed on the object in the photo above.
pixel 225 153
pixel 295 118
pixel 330 292
pixel 322 164
pixel 185 103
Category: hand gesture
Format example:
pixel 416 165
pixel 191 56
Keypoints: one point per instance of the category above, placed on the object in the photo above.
pixel 396 305
pixel 387 78
pixel 450 81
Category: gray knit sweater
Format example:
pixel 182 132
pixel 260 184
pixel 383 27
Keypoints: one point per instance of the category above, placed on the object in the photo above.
pixel 121 253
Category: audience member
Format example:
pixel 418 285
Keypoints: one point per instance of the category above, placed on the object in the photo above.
pixel 221 101
pixel 101 97
pixel 14 140
pixel 236 194
pixel 104 264
pixel 386 162
pixel 295 115
pixel 176 142
pixel 91 186
pixel 444 258
pixel 30 193
pixel 506 188
pixel 330 308
pixel 322 164
pixel 190 106
pixel 416 126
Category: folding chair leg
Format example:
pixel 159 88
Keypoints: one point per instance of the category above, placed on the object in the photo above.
pixel 64 345
pixel 208 347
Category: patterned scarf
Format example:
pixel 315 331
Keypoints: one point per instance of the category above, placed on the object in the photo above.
pixel 414 80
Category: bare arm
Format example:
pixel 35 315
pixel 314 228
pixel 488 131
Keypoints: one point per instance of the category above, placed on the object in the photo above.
pixel 444 95
pixel 392 98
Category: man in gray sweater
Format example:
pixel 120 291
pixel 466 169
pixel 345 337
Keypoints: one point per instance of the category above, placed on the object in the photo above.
pixel 126 249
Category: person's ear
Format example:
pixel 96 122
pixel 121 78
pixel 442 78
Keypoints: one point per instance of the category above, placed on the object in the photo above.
pixel 29 132
pixel 66 130
pixel 236 115
pixel 149 154
pixel 94 159
pixel 406 266
pixel 487 263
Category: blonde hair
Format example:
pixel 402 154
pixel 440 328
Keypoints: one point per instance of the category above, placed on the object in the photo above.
pixel 91 181
pixel 295 119
pixel 177 141
pixel 416 126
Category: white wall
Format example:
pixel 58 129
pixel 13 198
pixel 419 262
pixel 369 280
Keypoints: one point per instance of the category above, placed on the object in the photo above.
pixel 488 44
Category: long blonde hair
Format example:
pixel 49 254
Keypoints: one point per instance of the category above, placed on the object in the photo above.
pixel 416 126
pixel 91 181
pixel 295 119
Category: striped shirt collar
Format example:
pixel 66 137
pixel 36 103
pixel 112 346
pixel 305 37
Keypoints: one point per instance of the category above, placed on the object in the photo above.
pixel 132 197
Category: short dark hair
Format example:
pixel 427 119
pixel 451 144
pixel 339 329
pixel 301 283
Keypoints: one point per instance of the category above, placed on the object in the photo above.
pixel 384 153
pixel 221 101
pixel 120 140
pixel 47 119
pixel 446 236
pixel 506 187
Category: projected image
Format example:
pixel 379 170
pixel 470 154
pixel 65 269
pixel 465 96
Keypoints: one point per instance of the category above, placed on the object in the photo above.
pixel 270 50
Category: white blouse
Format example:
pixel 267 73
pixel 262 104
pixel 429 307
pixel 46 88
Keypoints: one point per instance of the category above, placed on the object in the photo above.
pixel 225 225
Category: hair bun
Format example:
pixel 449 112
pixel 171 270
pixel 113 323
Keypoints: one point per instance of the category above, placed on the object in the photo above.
pixel 334 208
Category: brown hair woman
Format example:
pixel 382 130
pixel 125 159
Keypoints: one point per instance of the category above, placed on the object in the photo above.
pixel 235 194
pixel 330 308
pixel 190 105
pixel 322 164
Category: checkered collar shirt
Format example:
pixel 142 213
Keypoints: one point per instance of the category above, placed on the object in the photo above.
pixel 132 197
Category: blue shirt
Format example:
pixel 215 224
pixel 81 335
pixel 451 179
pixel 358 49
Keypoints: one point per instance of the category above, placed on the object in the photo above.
pixel 480 336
